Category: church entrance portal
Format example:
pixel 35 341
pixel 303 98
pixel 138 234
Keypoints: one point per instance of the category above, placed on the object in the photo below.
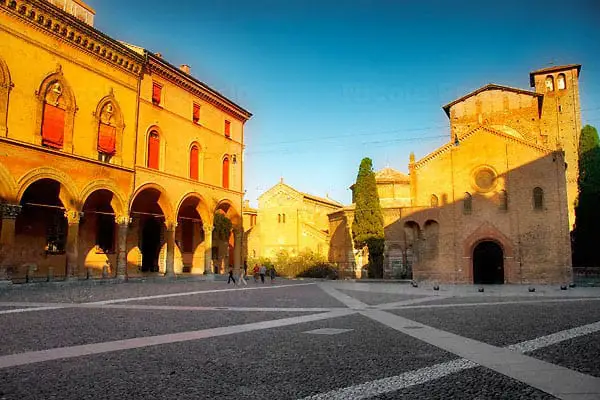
pixel 150 245
pixel 488 263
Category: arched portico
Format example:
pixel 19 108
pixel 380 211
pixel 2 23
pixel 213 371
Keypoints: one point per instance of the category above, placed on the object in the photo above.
pixel 193 227
pixel 152 246
pixel 229 250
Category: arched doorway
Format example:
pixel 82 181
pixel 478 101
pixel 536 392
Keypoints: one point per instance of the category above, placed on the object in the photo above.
pixel 151 244
pixel 488 263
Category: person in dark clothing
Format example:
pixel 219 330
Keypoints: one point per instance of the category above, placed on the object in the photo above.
pixel 231 278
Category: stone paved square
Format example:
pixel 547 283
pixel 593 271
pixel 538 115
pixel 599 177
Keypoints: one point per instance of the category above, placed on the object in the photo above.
pixel 297 340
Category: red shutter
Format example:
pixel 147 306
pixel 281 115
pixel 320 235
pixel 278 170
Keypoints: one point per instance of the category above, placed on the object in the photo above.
pixel 196 115
pixel 227 129
pixel 107 139
pixel 156 89
pixel 153 150
pixel 194 163
pixel 53 126
pixel 226 173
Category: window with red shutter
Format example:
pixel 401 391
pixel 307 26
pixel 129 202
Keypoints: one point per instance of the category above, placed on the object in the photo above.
pixel 226 173
pixel 196 114
pixel 156 93
pixel 53 126
pixel 227 128
pixel 153 150
pixel 194 163
pixel 107 139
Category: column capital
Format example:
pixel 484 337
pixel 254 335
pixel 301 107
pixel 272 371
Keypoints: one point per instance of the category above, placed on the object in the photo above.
pixel 171 226
pixel 10 211
pixel 123 220
pixel 207 229
pixel 73 216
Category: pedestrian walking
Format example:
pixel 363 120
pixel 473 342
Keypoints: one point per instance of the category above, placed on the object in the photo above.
pixel 231 278
pixel 243 274
pixel 255 273
pixel 262 271
pixel 272 272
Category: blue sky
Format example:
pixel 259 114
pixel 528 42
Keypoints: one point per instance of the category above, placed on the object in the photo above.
pixel 330 82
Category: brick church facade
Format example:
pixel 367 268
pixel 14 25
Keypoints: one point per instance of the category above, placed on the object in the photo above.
pixel 493 205
pixel 112 160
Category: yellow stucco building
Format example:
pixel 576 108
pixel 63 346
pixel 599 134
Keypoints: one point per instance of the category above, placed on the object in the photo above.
pixel 288 220
pixel 494 204
pixel 108 153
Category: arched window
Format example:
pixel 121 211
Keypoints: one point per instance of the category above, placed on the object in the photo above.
pixel 549 83
pixel 107 133
pixel 194 154
pixel 53 117
pixel 278 218
pixel 153 149
pixel 503 200
pixel 226 172
pixel 434 200
pixel 283 218
pixel 468 204
pixel 538 198
pixel 561 82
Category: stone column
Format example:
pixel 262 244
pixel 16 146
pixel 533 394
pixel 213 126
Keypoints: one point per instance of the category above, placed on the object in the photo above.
pixel 9 213
pixel 73 219
pixel 123 223
pixel 170 262
pixel 237 251
pixel 208 267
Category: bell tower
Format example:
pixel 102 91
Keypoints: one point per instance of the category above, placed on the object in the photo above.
pixel 560 119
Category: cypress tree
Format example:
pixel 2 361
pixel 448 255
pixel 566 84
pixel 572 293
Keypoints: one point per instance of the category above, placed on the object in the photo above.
pixel 367 227
pixel 586 235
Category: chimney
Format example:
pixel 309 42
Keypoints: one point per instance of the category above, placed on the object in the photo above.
pixel 185 68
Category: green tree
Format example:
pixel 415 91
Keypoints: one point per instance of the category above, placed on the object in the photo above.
pixel 367 228
pixel 586 234
pixel 222 227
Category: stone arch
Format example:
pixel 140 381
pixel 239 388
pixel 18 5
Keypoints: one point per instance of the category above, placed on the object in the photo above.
pixel 8 187
pixel 163 202
pixel 431 237
pixel 118 203
pixel 68 192
pixel 162 146
pixel 231 212
pixel 5 87
pixel 489 233
pixel 117 120
pixel 203 206
pixel 70 107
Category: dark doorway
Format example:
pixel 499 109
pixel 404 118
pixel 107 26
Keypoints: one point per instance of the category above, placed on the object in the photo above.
pixel 488 264
pixel 150 245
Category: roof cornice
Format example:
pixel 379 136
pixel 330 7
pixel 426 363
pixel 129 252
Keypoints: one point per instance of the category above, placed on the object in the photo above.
pixel 489 86
pixel 49 19
pixel 448 146
pixel 176 76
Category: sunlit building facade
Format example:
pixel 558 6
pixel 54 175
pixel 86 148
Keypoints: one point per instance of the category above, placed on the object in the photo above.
pixel 112 160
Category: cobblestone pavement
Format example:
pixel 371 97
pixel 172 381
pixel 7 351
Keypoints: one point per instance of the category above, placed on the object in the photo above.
pixel 298 340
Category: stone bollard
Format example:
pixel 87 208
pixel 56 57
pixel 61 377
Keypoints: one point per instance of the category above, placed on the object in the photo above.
pixel 30 272
pixel 88 273
pixel 50 274
pixel 105 271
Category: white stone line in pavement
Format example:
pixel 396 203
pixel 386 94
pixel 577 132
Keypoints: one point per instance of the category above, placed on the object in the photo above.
pixel 493 303
pixel 424 375
pixel 22 310
pixel 350 302
pixel 53 306
pixel 127 344
pixel 408 302
pixel 549 340
pixel 558 381
pixel 395 383
pixel 162 296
